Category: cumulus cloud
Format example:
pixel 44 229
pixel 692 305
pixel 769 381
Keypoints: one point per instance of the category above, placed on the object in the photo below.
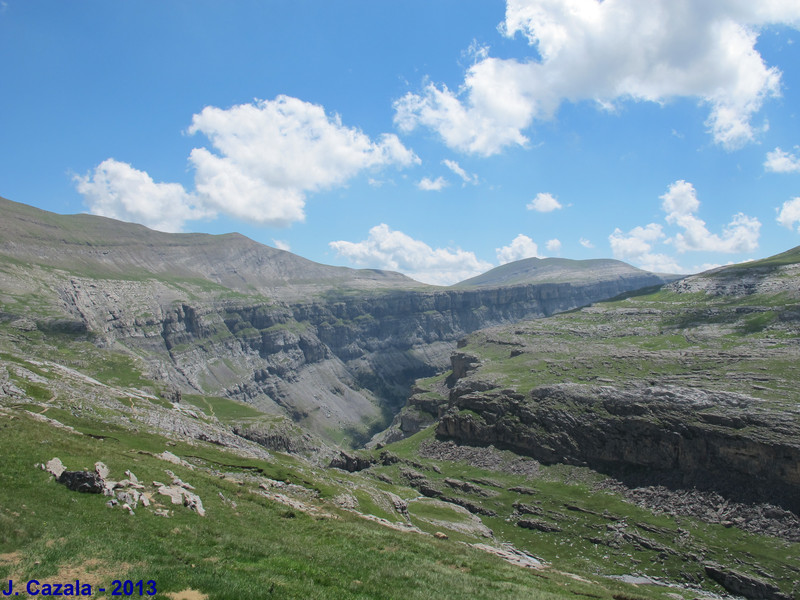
pixel 496 110
pixel 115 189
pixel 680 203
pixel 432 185
pixel 264 159
pixel 385 248
pixel 779 161
pixel 456 168
pixel 271 153
pixel 520 247
pixel 636 242
pixel 281 245
pixel 609 52
pixel 544 202
pixel 789 214
pixel 586 243
pixel 553 245
pixel 663 263
pixel 637 245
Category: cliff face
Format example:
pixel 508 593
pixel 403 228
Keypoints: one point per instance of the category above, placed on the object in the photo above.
pixel 644 434
pixel 338 361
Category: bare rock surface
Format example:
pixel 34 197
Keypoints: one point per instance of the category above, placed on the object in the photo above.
pixel 744 585
pixel 686 436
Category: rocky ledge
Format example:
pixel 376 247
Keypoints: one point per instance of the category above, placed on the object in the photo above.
pixel 643 434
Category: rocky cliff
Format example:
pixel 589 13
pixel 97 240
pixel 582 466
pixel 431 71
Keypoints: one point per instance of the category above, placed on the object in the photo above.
pixel 338 361
pixel 642 434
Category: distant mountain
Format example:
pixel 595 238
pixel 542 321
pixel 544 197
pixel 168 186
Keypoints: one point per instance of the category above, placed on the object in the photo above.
pixel 561 270
pixel 102 247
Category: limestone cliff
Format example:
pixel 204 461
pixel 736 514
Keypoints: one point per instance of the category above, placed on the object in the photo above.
pixel 644 434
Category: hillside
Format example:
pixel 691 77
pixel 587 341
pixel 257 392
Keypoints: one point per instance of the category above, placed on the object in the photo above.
pixel 98 247
pixel 643 447
pixel 450 511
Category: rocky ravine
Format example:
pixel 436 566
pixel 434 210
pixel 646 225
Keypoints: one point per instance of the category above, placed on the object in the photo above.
pixel 329 363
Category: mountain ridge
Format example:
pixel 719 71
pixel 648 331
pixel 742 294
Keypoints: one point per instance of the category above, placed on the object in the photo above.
pixel 331 347
pixel 555 270
pixel 109 247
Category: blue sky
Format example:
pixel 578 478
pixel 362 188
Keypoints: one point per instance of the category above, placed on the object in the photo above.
pixel 436 138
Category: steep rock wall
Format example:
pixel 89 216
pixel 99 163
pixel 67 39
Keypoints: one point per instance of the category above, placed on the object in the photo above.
pixel 669 435
pixel 336 362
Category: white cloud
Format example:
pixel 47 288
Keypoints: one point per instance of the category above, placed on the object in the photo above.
pixel 661 263
pixel 281 245
pixel 271 153
pixel 117 190
pixel 456 168
pixel 637 242
pixel 779 161
pixel 680 203
pixel 396 251
pixel 609 52
pixel 432 185
pixel 544 202
pixel 265 158
pixel 789 214
pixel 586 243
pixel 553 245
pixel 521 247
pixel 497 109
pixel 637 246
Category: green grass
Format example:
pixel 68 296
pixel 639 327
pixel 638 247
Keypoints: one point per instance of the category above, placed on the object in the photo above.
pixel 258 549
pixel 224 409
pixel 560 487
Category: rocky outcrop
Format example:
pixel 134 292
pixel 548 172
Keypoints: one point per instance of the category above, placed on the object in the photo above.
pixel 87 482
pixel 742 280
pixel 683 437
pixel 282 437
pixel 744 585
pixel 351 462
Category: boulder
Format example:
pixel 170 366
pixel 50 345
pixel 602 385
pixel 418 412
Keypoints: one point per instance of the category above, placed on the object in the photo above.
pixel 55 467
pixel 87 482
pixel 744 585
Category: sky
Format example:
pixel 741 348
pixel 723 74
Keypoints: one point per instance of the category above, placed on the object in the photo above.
pixel 437 138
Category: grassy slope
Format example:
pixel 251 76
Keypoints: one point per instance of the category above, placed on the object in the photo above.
pixel 259 548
